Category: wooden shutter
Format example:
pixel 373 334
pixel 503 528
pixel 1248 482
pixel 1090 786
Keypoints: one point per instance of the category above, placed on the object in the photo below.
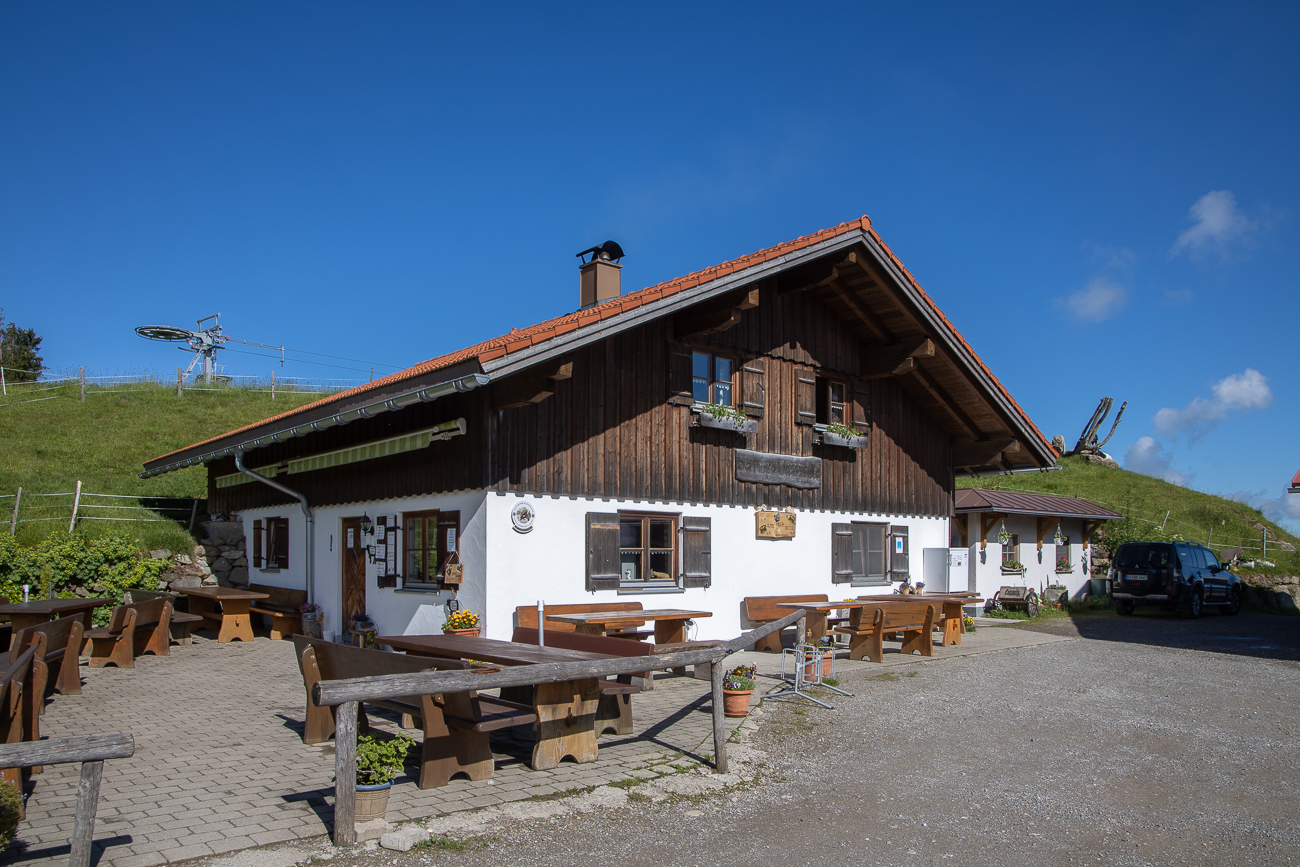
pixel 696 554
pixel 753 387
pixel 841 553
pixel 602 551
pixel 257 544
pixel 861 404
pixel 679 374
pixel 806 395
pixel 877 557
pixel 898 553
pixel 281 526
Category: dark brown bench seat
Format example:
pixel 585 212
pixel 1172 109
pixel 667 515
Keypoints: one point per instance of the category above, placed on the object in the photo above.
pixel 455 725
pixel 614 713
pixel 526 616
pixel 138 628
pixel 182 621
pixel 282 608
pixel 764 609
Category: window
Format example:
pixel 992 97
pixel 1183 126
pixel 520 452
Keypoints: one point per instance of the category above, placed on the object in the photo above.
pixel 1064 559
pixel 711 377
pixel 1011 552
pixel 430 539
pixel 271 544
pixel 858 554
pixel 1211 561
pixel 832 401
pixel 647 552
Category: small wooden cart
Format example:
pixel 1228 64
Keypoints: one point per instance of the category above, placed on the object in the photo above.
pixel 1014 599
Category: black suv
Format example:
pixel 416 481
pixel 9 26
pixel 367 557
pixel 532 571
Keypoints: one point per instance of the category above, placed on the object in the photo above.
pixel 1174 575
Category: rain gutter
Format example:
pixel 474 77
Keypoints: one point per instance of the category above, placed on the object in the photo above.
pixel 306 510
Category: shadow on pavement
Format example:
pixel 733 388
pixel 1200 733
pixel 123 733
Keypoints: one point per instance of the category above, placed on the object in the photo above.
pixel 1265 636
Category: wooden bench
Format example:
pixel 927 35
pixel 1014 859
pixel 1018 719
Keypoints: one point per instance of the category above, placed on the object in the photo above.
pixel 763 609
pixel 15 681
pixel 281 607
pixel 182 621
pixel 456 726
pixel 136 629
pixel 614 713
pixel 868 626
pixel 56 638
pixel 526 616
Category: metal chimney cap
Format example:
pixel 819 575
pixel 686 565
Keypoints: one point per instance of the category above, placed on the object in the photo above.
pixel 610 250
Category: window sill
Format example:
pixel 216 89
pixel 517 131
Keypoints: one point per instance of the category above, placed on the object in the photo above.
pixel 423 591
pixel 630 591
pixel 881 583
pixel 269 569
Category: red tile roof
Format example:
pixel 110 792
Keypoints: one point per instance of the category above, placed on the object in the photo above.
pixel 523 338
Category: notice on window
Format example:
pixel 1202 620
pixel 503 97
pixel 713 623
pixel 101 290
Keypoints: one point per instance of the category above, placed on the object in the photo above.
pixel 898 546
pixel 451 540
pixel 350 543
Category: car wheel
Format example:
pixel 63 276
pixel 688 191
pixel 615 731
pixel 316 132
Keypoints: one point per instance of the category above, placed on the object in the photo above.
pixel 1234 602
pixel 1123 607
pixel 1191 608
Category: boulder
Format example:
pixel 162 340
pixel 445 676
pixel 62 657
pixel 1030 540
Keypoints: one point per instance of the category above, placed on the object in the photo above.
pixel 238 576
pixel 184 559
pixel 208 581
pixel 186 581
pixel 222 565
pixel 211 551
pixel 241 561
pixel 159 554
pixel 1058 443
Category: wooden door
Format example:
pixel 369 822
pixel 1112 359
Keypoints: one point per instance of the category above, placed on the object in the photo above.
pixel 353 570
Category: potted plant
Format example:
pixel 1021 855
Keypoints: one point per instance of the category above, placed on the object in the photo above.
pixel 737 687
pixel 364 628
pixel 378 764
pixel 1064 566
pixel 310 612
pixel 826 644
pixel 462 622
pixel 905 589
pixel 1012 567
pixel 920 587
pixel 837 434
pixel 717 415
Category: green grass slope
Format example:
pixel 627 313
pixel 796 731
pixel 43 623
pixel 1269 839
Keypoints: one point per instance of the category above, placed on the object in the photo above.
pixel 1144 500
pixel 46 446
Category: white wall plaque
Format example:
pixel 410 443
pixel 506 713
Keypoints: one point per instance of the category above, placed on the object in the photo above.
pixel 522 517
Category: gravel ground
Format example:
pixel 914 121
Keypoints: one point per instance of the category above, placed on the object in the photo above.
pixel 1125 747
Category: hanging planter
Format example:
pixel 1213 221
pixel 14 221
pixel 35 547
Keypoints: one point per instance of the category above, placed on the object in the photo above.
pixel 724 418
pixel 842 435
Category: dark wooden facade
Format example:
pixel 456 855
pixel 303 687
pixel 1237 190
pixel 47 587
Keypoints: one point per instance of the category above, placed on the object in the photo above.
pixel 616 428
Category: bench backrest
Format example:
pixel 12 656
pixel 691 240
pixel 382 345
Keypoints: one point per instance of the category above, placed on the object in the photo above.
pixel 763 609
pixel 12 681
pixel 137 595
pixel 279 597
pixel 340 661
pixel 58 634
pixel 582 641
pixel 902 614
pixel 526 615
pixel 147 613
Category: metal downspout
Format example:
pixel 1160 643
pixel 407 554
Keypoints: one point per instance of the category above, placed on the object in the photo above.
pixel 306 510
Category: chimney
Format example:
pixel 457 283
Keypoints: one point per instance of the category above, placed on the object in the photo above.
pixel 600 274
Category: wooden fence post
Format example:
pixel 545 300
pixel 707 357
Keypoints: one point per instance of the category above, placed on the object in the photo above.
pixel 83 384
pixel 719 720
pixel 345 774
pixel 83 830
pixel 194 510
pixel 13 522
pixel 76 502
pixel 180 381
pixel 273 385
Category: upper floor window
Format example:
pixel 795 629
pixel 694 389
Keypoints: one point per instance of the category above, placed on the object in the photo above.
pixel 711 377
pixel 1011 551
pixel 832 401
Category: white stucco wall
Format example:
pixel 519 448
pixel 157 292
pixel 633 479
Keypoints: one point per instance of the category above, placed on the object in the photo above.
pixel 986 569
pixel 549 562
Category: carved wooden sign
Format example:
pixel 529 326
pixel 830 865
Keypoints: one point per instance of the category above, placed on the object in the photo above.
pixel 766 469
pixel 769 524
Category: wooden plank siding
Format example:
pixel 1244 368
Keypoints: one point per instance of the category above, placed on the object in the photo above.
pixel 609 430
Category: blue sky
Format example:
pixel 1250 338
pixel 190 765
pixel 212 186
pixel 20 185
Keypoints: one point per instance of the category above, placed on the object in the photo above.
pixel 1101 199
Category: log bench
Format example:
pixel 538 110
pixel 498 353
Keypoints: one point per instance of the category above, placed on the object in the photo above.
pixel 614 713
pixel 868 626
pixel 281 607
pixel 136 629
pixel 455 726
pixel 526 616
pixel 765 609
pixel 182 621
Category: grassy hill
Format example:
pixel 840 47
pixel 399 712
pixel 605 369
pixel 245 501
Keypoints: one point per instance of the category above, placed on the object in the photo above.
pixel 1144 501
pixel 47 445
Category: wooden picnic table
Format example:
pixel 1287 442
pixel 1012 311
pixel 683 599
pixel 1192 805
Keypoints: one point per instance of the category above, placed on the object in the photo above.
pixel 233 620
pixel 670 623
pixel 949 607
pixel 566 711
pixel 25 614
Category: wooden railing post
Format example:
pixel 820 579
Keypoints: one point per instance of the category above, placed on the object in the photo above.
pixel 83 831
pixel 719 720
pixel 345 774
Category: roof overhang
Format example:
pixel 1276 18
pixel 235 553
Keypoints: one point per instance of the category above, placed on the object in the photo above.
pixel 970 501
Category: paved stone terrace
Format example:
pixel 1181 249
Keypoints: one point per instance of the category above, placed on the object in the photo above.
pixel 220 764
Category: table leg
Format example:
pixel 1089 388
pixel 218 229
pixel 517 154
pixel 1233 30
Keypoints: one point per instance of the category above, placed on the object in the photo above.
pixel 590 628
pixel 235 620
pixel 952 624
pixel 816 626
pixel 566 722
pixel 671 632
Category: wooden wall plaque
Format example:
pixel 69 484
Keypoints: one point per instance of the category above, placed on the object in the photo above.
pixel 770 524
pixel 766 469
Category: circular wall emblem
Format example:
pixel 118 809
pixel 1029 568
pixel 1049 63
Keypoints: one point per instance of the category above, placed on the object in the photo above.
pixel 522 516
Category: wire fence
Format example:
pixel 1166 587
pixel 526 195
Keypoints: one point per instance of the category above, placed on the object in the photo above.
pixel 78 505
pixel 81 386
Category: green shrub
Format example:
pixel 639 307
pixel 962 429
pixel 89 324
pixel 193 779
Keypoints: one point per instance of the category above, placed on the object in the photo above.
pixel 105 566
pixel 379 761
pixel 11 804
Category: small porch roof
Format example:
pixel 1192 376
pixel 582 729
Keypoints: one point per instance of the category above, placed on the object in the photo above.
pixel 971 500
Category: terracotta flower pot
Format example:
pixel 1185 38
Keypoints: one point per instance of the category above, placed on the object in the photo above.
pixel 472 633
pixel 735 702
pixel 372 802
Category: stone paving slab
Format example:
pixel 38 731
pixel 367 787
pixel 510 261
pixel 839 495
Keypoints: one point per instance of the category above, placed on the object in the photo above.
pixel 220 764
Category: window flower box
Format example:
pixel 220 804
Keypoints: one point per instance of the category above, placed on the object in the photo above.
pixel 841 435
pixel 724 418
pixel 1064 567
pixel 1012 567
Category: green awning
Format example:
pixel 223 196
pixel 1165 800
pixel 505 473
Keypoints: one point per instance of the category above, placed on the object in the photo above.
pixel 241 479
pixel 407 442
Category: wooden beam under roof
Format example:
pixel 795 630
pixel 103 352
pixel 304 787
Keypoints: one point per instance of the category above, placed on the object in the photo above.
pixel 537 387
pixel 987 520
pixel 869 268
pixel 981 453
pixel 713 319
pixel 874 323
pixel 1044 525
pixel 896 363
pixel 947 403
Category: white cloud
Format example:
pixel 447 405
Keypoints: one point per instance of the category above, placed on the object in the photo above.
pixel 1216 224
pixel 1148 457
pixel 1284 509
pixel 1097 301
pixel 1242 392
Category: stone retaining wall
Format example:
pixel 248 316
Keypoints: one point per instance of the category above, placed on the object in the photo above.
pixel 220 560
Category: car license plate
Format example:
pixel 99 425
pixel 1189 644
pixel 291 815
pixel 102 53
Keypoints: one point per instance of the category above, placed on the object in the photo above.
pixel 1135 577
